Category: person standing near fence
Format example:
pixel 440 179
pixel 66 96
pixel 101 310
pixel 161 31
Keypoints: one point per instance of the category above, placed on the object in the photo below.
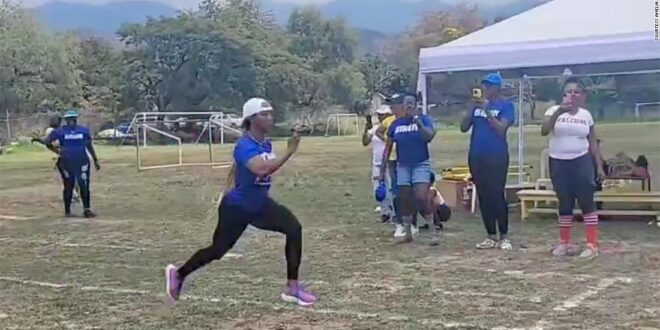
pixel 573 151
pixel 378 146
pixel 488 158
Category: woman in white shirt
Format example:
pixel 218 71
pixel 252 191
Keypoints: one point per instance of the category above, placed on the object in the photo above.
pixel 573 151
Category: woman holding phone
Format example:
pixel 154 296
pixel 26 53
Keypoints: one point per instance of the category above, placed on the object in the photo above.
pixel 412 133
pixel 573 151
pixel 489 119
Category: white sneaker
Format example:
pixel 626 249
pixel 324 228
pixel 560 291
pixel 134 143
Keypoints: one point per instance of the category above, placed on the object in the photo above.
pixel 400 231
pixel 487 244
pixel 415 230
pixel 378 209
pixel 505 245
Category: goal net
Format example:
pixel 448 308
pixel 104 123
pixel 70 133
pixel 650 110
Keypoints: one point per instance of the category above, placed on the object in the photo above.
pixel 648 111
pixel 175 139
pixel 343 124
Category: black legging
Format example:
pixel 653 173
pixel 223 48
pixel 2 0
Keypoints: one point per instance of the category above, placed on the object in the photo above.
pixel 489 176
pixel 71 173
pixel 232 221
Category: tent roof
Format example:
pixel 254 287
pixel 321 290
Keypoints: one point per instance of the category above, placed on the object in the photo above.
pixel 558 33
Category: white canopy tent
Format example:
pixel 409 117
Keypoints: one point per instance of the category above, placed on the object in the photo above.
pixel 587 37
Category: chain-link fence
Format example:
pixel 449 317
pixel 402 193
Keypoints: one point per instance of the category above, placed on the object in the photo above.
pixel 15 127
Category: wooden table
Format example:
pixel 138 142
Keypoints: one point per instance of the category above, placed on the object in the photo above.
pixel 645 180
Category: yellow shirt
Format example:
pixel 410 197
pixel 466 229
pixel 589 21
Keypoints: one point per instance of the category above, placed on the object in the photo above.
pixel 386 124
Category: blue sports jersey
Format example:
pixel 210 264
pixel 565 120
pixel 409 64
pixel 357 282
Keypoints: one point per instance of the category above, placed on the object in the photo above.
pixel 251 191
pixel 485 140
pixel 73 142
pixel 411 147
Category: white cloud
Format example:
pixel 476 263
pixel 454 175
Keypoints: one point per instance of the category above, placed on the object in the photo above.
pixel 192 3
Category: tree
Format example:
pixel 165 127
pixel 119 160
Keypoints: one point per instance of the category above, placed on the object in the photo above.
pixel 35 68
pixel 190 62
pixel 380 76
pixel 99 70
pixel 638 88
pixel 325 44
pixel 433 29
pixel 346 85
pixel 602 93
pixel 328 50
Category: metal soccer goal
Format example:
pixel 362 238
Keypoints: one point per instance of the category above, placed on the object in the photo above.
pixel 173 134
pixel 343 121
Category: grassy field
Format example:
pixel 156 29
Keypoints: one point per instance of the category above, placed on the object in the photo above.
pixel 107 273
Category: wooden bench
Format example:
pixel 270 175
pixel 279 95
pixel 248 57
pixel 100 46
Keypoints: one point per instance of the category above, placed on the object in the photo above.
pixel 530 196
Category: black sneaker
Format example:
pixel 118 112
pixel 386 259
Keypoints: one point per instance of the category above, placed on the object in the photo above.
pixel 385 218
pixel 89 213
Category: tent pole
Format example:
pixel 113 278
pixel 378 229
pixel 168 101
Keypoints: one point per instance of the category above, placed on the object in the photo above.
pixel 425 96
pixel 521 129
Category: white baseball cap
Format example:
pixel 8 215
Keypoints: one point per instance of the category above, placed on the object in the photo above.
pixel 384 110
pixel 254 106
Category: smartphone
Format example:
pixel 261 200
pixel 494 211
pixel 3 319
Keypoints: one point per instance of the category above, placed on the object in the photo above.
pixel 476 93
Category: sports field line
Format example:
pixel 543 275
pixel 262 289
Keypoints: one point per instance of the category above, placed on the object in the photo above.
pixel 576 300
pixel 105 246
pixel 338 312
pixel 13 217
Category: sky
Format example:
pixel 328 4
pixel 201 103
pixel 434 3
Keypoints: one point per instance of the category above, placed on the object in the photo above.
pixel 192 3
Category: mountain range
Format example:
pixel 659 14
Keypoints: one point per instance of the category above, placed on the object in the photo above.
pixel 386 17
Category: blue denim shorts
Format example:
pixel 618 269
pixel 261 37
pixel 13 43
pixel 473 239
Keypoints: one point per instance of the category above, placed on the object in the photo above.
pixel 407 176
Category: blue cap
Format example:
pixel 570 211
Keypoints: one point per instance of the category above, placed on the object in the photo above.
pixel 71 114
pixel 381 192
pixel 493 79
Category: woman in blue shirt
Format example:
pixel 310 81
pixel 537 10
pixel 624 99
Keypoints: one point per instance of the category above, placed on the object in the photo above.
pixel 490 118
pixel 248 203
pixel 412 133
pixel 75 141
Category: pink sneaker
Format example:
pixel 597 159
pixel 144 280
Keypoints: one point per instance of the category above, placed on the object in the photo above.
pixel 173 282
pixel 298 295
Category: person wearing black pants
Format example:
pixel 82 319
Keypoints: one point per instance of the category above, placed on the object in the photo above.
pixel 489 176
pixel 573 151
pixel 75 142
pixel 488 159
pixel 232 222
pixel 248 203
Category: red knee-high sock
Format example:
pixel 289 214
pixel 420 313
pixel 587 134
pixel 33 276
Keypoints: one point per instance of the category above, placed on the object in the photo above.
pixel 591 228
pixel 565 223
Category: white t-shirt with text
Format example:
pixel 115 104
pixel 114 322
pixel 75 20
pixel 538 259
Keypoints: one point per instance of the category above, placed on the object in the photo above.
pixel 569 139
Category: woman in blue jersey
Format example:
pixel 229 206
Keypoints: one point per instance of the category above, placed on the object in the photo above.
pixel 75 141
pixel 248 203
pixel 489 119
pixel 412 133
pixel 55 122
